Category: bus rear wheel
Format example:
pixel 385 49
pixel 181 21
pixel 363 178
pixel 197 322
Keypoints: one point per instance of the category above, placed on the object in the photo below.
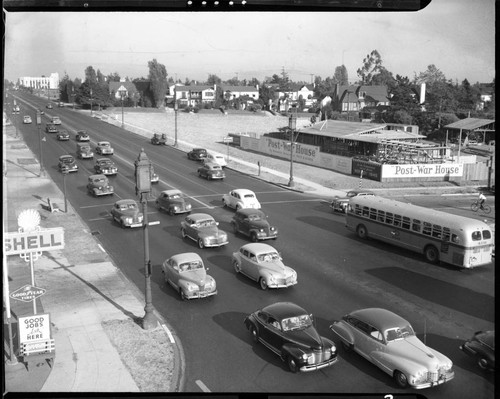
pixel 362 232
pixel 431 254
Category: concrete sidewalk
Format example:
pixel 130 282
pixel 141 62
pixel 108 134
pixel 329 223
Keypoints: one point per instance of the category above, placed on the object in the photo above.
pixel 83 290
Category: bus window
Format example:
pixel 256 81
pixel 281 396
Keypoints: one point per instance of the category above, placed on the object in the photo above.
pixel 381 216
pixel 373 213
pixel 427 229
pixel 397 220
pixel 365 211
pixel 455 238
pixel 437 231
pixel 476 236
pixel 416 225
pixel 446 234
pixel 357 210
pixel 406 223
pixel 388 218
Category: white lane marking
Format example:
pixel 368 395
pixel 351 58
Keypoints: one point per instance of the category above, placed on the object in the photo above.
pixel 202 386
pixel 170 336
pixel 101 248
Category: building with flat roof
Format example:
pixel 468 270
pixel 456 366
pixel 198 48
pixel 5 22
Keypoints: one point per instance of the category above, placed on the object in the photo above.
pixel 41 82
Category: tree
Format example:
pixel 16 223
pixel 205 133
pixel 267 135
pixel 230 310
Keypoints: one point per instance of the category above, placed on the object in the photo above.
pixel 159 84
pixel 384 78
pixel 341 75
pixel 113 77
pixel 213 80
pixel 371 66
pixel 430 76
pixel 90 75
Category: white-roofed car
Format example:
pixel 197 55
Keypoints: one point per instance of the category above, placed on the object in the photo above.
pixel 263 263
pixel 241 198
pixel 216 158
pixel 339 204
pixel 187 274
pixel 27 119
pixel 104 148
pixel 389 342
pixel 173 202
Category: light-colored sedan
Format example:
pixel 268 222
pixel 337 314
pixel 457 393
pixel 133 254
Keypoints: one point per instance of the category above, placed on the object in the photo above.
pixel 388 341
pixel 27 119
pixel 241 198
pixel 104 148
pixel 188 275
pixel 262 263
pixel 127 214
pixel 202 228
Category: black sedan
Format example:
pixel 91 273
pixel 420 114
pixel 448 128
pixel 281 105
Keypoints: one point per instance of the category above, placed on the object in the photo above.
pixel 481 347
pixel 288 330
pixel 197 154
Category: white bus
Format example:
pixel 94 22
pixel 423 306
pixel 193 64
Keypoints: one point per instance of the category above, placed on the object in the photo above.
pixel 439 236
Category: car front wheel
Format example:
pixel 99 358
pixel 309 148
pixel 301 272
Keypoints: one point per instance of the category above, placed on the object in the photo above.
pixel 236 266
pixel 255 334
pixel 400 379
pixel 183 233
pixel 254 237
pixel 292 365
pixel 263 283
pixel 362 232
pixel 431 254
pixel 482 363
pixel 201 244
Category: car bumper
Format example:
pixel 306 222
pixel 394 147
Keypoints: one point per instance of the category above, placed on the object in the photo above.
pixel 445 378
pixel 215 177
pixel 265 236
pixel 312 367
pixel 217 244
pixel 282 285
pixel 109 172
pixel 101 193
pixel 133 225
pixel 201 294
pixel 86 156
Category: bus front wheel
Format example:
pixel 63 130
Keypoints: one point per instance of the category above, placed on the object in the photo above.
pixel 362 231
pixel 431 254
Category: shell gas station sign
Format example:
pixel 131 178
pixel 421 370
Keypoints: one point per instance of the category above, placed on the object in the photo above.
pixel 33 241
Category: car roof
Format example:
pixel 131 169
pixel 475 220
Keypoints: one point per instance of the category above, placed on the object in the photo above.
pixel 250 211
pixel 170 192
pixel 103 160
pixel 65 156
pixel 200 216
pixel 358 191
pixel 382 319
pixel 98 176
pixel 283 310
pixel 258 247
pixel 125 201
pixel 186 257
pixel 211 165
pixel 199 149
pixel 102 142
pixel 243 191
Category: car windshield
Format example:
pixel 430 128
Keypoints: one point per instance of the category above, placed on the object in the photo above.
pixel 254 217
pixel 214 167
pixel 67 160
pixel 100 180
pixel 124 207
pixel 190 266
pixel 206 223
pixel 394 334
pixel 268 257
pixel 296 322
pixel 105 163
pixel 174 196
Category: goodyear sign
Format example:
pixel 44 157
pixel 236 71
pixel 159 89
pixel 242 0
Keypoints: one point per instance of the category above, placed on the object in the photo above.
pixel 34 241
pixel 27 293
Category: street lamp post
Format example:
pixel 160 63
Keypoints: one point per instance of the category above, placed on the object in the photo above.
pixel 38 123
pixel 292 124
pixel 176 109
pixel 65 173
pixel 143 188
pixel 73 95
pixel 122 96
pixel 91 105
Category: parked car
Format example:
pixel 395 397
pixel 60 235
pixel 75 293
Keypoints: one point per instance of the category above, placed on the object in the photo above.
pixel 51 128
pixel 159 140
pixel 215 158
pixel 202 228
pixel 263 263
pixel 83 151
pixel 98 185
pixel 388 341
pixel 56 120
pixel 67 164
pixel 241 198
pixel 126 213
pixel 16 109
pixel 27 119
pixel 188 275
pixel 253 223
pixel 63 135
pixel 339 204
pixel 172 202
pixel 211 171
pixel 82 135
pixel 153 176
pixel 197 154
pixel 104 148
pixel 49 106
pixel 105 166
pixel 288 330
pixel 482 348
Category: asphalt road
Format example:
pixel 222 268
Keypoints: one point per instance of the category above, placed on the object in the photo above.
pixel 337 273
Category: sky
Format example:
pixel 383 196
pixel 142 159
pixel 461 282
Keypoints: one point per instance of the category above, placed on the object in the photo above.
pixel 457 36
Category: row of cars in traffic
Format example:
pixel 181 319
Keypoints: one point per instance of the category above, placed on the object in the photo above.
pixel 382 337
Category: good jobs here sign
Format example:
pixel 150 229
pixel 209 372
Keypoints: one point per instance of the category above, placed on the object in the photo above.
pixel 422 170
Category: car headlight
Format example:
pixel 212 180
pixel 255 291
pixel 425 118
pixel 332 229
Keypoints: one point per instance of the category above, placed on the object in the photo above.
pixel 176 208
pixel 261 230
pixel 191 287
pixel 305 356
pixel 188 206
pixel 271 278
pixel 272 228
pixel 333 349
pixel 127 220
pixel 140 217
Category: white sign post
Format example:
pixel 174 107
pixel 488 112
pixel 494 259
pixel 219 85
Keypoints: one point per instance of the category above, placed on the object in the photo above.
pixel 227 140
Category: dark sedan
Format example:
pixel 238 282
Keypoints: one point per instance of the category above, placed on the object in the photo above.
pixel 288 330
pixel 481 347
pixel 197 154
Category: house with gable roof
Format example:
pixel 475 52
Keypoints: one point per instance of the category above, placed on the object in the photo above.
pixel 114 89
pixel 357 97
pixel 195 94
pixel 233 92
